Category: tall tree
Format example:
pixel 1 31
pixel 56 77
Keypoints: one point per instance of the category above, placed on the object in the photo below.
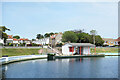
pixel 69 36
pixel 17 37
pixel 39 36
pixel 83 38
pixel 33 39
pixel 3 35
pixel 51 33
pixel 93 33
pixel 3 28
pixel 99 40
pixel 47 35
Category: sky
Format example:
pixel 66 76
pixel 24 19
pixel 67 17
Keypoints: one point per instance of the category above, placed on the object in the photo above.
pixel 28 19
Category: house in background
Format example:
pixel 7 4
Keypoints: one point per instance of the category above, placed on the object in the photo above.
pixel 24 41
pixel 42 41
pixel 78 48
pixel 118 40
pixel 10 39
pixel 110 42
pixel 56 39
pixel 52 40
pixel 16 42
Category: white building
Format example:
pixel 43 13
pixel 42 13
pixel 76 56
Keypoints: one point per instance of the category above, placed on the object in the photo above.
pixel 78 48
pixel 9 41
pixel 15 41
pixel 42 41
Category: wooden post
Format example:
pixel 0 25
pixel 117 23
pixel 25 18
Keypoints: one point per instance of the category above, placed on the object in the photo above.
pixel 80 50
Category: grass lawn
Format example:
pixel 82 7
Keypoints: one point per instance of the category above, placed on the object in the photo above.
pixel 30 51
pixel 104 50
pixel 19 51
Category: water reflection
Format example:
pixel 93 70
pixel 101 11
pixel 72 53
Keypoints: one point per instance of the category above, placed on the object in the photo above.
pixel 79 59
pixel 64 68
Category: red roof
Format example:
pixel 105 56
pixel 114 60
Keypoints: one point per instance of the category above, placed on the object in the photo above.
pixel 15 39
pixel 10 37
pixel 118 39
pixel 24 39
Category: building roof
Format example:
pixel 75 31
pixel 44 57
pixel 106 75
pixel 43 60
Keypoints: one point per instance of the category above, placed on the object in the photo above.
pixel 82 44
pixel 15 39
pixel 109 39
pixel 24 39
pixel 10 37
pixel 118 39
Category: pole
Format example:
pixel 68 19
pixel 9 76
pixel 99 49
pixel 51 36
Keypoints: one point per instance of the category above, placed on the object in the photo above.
pixel 72 50
pixel 80 50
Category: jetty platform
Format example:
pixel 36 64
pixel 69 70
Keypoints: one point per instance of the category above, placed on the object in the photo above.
pixel 80 56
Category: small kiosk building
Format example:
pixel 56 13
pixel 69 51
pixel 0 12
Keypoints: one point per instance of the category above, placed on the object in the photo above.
pixel 77 48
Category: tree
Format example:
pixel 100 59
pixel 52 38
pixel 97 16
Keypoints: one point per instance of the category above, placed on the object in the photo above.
pixel 47 35
pixel 69 36
pixel 39 36
pixel 99 41
pixel 17 37
pixel 3 28
pixel 83 38
pixel 51 33
pixel 33 39
pixel 3 35
pixel 93 33
pixel 55 33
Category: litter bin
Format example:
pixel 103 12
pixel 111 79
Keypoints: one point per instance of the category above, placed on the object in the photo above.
pixel 51 56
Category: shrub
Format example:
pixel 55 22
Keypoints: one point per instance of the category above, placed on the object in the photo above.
pixel 10 44
pixel 59 45
pixel 33 44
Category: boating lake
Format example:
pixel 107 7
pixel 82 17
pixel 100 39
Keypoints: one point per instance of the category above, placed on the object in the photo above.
pixel 94 67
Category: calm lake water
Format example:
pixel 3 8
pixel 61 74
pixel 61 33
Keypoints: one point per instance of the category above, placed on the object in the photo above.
pixel 99 67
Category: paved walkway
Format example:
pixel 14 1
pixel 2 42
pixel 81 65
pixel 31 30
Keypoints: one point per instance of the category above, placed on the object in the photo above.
pixel 5 60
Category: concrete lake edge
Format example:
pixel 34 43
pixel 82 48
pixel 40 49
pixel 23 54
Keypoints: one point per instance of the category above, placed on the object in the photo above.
pixel 45 57
pixel 57 57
